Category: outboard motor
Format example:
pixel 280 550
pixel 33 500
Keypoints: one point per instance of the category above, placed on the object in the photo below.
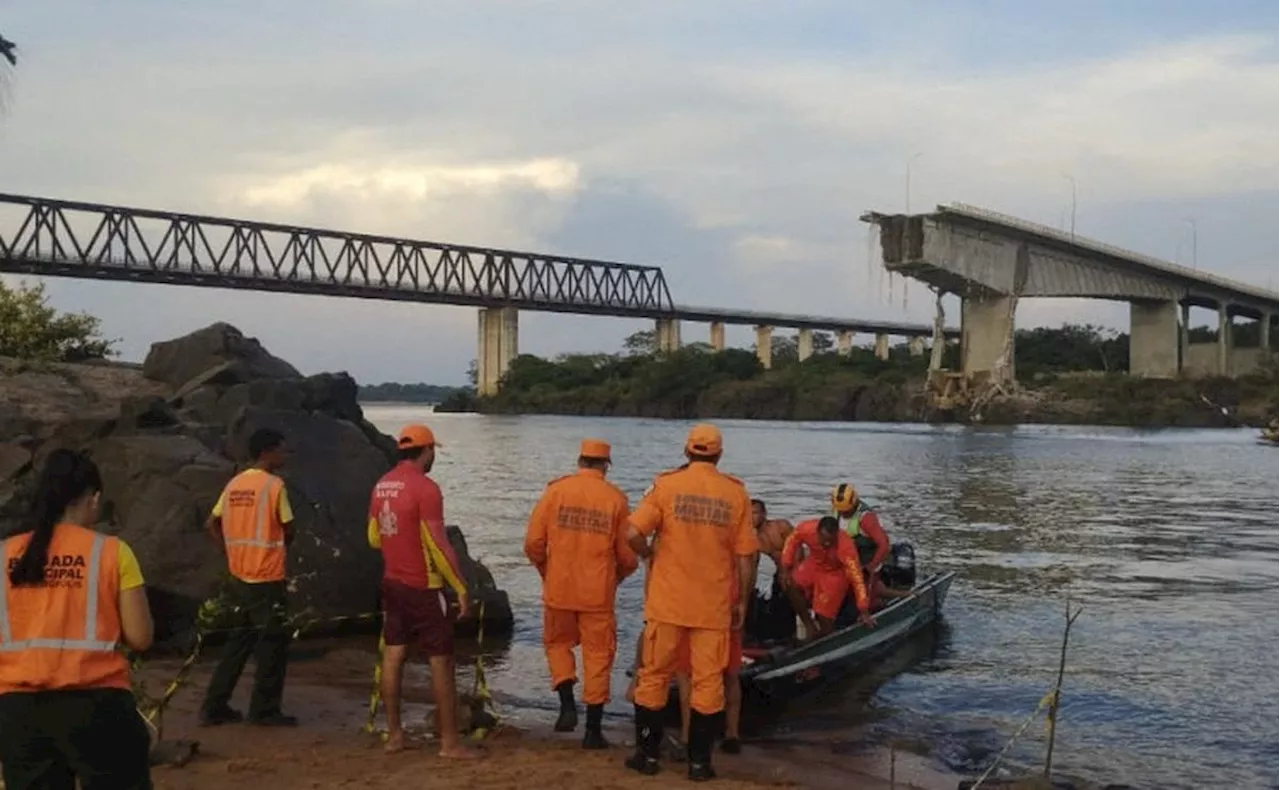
pixel 899 571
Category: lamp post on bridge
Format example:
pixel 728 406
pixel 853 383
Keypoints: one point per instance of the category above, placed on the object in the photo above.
pixel 1195 263
pixel 1073 204
pixel 907 189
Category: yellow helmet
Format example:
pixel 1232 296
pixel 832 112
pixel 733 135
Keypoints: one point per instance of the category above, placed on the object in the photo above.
pixel 844 497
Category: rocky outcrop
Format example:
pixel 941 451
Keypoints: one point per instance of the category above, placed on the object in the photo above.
pixel 169 434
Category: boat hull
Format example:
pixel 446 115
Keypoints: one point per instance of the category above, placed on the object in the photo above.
pixel 787 672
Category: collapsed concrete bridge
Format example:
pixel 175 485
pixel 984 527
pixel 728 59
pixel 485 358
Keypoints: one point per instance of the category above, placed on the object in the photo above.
pixel 992 260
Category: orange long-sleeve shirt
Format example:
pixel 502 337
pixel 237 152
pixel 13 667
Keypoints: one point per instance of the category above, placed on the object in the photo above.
pixel 843 556
pixel 577 539
pixel 701 518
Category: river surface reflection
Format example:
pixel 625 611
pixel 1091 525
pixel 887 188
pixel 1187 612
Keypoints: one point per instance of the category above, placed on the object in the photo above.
pixel 1168 538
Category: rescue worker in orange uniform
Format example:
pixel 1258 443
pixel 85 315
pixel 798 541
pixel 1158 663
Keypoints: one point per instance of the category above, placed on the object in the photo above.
pixel 253 521
pixel 71 597
pixel 828 572
pixel 701 519
pixel 577 540
pixel 406 522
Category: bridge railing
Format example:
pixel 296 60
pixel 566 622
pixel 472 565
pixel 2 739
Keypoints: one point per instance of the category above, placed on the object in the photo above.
pixel 1157 264
pixel 66 238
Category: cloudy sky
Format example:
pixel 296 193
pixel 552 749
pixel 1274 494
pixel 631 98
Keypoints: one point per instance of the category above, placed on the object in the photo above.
pixel 732 143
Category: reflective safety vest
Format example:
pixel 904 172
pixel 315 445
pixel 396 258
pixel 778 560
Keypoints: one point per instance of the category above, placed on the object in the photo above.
pixel 64 633
pixel 853 526
pixel 251 527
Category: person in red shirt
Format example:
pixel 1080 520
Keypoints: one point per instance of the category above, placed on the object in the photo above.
pixel 825 575
pixel 406 522
pixel 861 523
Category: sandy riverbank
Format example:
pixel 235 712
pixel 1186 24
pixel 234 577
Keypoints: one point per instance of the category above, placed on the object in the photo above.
pixel 330 694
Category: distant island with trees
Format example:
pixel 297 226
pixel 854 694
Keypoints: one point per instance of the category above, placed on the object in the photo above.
pixel 394 392
pixel 1074 374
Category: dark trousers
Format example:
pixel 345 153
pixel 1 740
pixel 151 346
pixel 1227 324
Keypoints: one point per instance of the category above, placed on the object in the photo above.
pixel 49 739
pixel 259 629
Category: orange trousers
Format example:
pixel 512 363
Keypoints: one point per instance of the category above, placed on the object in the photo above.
pixel 661 655
pixel 597 633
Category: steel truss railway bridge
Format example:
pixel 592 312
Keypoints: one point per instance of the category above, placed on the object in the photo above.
pixel 63 238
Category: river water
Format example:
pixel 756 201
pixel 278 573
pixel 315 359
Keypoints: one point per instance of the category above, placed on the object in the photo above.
pixel 1168 539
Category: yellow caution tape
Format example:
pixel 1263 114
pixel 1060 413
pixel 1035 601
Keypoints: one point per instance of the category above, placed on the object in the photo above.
pixel 375 696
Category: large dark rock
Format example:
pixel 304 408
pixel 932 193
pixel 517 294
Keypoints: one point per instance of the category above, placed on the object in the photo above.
pixel 168 442
pixel 483 590
pixel 176 362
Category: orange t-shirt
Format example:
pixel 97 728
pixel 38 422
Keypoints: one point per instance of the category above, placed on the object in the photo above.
pixel 701 519
pixel 577 539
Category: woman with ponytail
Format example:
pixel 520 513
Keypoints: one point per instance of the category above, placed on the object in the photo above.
pixel 71 598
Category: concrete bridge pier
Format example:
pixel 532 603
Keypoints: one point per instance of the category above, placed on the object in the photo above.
pixel 764 346
pixel 986 329
pixel 844 343
pixel 804 344
pixel 717 335
pixel 1184 338
pixel 1153 339
pixel 882 346
pixel 498 344
pixel 916 346
pixel 1224 340
pixel 667 332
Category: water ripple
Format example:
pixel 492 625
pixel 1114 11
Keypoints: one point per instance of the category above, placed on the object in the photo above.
pixel 1169 538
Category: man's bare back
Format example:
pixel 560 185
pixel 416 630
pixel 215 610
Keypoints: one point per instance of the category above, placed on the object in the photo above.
pixel 772 536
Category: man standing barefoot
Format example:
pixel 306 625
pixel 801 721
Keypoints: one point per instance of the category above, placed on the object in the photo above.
pixel 406 521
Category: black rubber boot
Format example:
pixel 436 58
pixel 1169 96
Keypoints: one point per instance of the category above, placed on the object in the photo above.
pixel 648 742
pixel 701 738
pixel 568 719
pixel 593 735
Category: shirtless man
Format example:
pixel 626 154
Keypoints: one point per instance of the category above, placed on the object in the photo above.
pixel 772 535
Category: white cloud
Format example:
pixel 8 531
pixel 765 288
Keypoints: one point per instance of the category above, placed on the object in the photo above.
pixel 760 159
pixel 390 182
pixel 1194 118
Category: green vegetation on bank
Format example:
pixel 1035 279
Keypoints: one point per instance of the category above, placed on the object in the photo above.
pixel 392 392
pixel 32 330
pixel 1071 374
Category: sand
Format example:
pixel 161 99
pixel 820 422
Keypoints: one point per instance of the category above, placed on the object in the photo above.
pixel 329 750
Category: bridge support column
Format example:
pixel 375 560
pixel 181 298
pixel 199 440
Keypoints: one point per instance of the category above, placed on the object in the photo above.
pixel 882 346
pixel 1264 328
pixel 1184 337
pixel 1224 341
pixel 498 344
pixel 804 344
pixel 916 346
pixel 1153 339
pixel 844 343
pixel 986 331
pixel 764 346
pixel 668 335
pixel 717 335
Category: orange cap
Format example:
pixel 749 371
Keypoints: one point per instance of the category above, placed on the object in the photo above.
pixel 595 448
pixel 412 436
pixel 704 439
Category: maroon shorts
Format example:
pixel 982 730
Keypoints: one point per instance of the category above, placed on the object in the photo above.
pixel 417 618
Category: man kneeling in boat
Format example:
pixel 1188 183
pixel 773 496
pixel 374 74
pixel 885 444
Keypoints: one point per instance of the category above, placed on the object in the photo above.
pixel 825 575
